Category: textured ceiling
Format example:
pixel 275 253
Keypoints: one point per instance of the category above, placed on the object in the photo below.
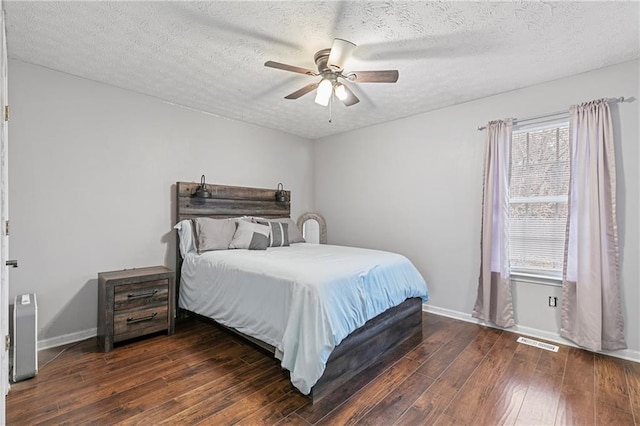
pixel 209 55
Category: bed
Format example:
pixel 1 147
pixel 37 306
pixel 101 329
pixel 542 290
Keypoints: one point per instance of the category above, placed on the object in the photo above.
pixel 333 310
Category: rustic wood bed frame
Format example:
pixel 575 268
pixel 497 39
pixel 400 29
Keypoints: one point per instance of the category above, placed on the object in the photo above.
pixel 360 349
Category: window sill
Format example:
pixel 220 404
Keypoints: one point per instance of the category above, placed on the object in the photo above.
pixel 536 279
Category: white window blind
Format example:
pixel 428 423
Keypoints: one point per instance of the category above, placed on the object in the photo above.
pixel 538 199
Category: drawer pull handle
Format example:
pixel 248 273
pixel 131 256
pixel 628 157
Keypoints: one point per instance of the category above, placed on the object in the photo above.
pixel 141 319
pixel 142 295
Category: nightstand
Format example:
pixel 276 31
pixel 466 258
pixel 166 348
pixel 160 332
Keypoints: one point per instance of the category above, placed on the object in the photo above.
pixel 134 303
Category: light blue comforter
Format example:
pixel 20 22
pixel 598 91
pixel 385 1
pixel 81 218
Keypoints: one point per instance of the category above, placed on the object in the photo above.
pixel 303 300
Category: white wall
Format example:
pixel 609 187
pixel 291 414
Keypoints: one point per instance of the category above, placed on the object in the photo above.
pixel 92 169
pixel 92 183
pixel 415 186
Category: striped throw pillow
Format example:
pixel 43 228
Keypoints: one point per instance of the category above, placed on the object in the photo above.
pixel 279 235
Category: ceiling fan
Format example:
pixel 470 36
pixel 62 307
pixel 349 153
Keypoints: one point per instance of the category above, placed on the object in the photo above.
pixel 330 64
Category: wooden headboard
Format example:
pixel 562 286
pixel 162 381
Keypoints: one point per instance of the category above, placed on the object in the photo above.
pixel 226 201
pixel 229 201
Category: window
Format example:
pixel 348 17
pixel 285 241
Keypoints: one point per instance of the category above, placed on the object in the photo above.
pixel 538 193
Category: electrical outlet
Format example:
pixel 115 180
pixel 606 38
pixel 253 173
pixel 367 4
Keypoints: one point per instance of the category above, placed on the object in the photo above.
pixel 553 301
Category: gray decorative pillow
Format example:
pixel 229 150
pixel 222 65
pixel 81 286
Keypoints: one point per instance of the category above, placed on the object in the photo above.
pixel 279 235
pixel 295 236
pixel 213 234
pixel 252 236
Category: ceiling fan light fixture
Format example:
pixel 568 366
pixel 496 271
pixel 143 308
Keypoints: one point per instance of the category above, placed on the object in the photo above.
pixel 330 65
pixel 340 51
pixel 325 89
pixel 341 91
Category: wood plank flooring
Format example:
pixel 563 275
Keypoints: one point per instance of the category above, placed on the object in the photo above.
pixel 460 373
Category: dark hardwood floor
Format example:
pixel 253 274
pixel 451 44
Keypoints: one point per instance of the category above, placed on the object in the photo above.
pixel 460 373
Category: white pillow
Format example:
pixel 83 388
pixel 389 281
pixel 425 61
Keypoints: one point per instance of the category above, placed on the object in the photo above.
pixel 185 235
pixel 244 218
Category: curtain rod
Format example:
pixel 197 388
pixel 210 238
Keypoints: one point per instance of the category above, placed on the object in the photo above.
pixel 551 114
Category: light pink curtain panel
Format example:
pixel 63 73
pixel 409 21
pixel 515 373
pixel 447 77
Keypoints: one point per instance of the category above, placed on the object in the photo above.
pixel 494 302
pixel 591 307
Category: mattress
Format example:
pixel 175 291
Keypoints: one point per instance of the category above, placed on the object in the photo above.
pixel 303 299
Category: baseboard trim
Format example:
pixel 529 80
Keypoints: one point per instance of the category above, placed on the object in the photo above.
pixel 627 354
pixel 65 339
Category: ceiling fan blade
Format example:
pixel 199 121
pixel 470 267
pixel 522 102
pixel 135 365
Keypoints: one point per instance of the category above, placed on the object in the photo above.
pixel 351 99
pixel 340 51
pixel 306 89
pixel 387 76
pixel 291 68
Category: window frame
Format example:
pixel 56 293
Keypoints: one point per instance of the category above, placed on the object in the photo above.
pixel 537 276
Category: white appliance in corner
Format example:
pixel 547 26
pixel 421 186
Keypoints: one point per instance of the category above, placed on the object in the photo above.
pixel 25 342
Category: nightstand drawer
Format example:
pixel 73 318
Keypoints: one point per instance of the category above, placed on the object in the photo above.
pixel 147 293
pixel 138 322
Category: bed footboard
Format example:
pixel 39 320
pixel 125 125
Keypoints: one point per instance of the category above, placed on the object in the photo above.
pixel 369 343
